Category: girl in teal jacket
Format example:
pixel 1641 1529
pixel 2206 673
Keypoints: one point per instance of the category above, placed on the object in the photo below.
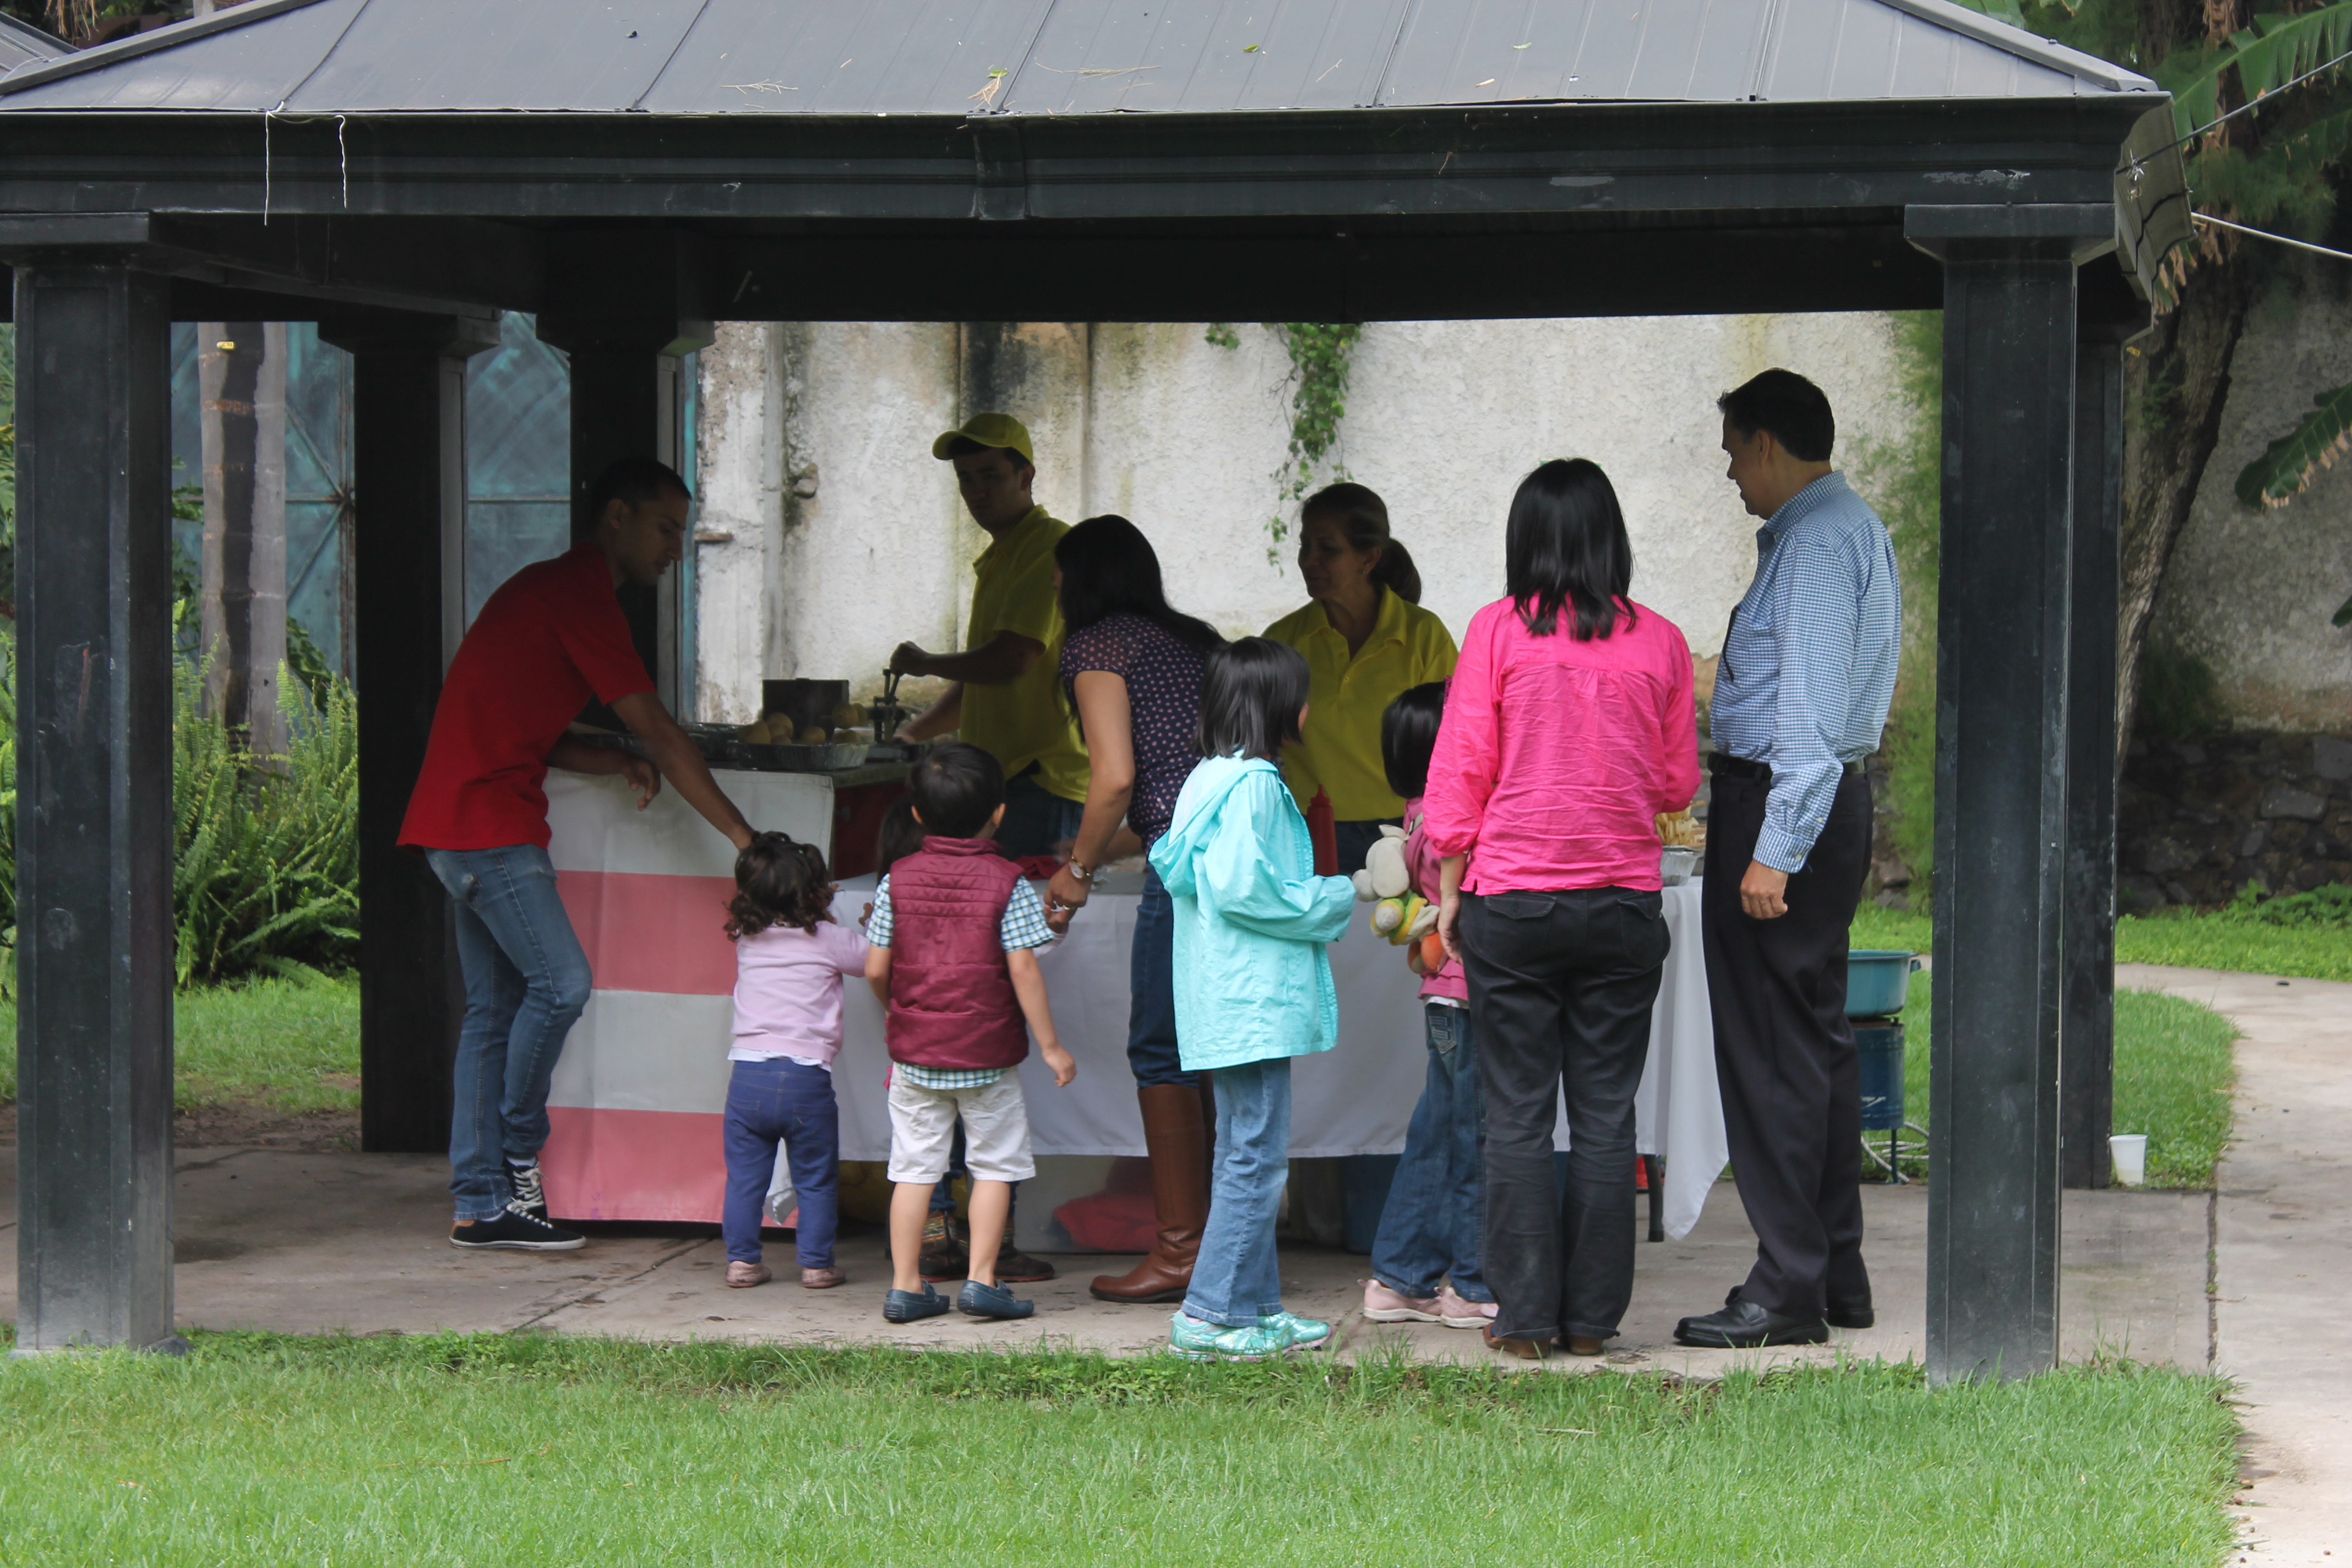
pixel 1253 986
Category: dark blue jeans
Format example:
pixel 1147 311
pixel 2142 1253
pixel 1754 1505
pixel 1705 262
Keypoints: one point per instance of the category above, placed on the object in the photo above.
pixel 527 983
pixel 1354 840
pixel 1035 819
pixel 1437 1201
pixel 1151 993
pixel 788 1102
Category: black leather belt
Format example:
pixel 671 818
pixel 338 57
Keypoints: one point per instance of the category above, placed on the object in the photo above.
pixel 1723 764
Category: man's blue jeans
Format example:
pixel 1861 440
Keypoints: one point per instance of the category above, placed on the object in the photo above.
pixel 1035 818
pixel 527 983
pixel 1437 1207
pixel 791 1103
pixel 1236 1280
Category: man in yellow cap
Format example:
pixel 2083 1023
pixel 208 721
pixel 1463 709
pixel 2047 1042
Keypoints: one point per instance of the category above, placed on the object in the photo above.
pixel 1004 697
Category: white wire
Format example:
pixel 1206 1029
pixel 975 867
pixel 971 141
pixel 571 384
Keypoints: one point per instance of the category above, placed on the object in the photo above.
pixel 2261 234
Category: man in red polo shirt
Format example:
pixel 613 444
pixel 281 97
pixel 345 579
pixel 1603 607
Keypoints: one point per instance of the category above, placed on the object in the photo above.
pixel 549 639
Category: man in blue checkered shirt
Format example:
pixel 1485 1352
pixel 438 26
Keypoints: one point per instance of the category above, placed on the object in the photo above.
pixel 1801 698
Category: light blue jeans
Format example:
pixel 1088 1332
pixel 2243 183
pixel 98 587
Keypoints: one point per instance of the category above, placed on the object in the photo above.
pixel 527 983
pixel 1436 1208
pixel 1236 1280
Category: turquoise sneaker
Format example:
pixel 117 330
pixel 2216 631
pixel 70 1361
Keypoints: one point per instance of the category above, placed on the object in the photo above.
pixel 1196 1341
pixel 1306 1333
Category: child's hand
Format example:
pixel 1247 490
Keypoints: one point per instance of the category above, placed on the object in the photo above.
pixel 1058 1061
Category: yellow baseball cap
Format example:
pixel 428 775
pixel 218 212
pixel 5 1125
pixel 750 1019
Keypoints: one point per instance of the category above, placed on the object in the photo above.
pixel 1000 430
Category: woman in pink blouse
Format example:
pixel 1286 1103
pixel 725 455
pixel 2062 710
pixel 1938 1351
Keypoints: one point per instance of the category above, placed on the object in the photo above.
pixel 1568 728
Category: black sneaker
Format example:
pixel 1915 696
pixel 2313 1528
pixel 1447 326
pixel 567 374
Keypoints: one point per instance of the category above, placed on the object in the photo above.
pixel 516 1231
pixel 530 1192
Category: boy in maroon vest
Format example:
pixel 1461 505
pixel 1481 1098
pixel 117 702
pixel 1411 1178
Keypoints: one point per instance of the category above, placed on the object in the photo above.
pixel 955 930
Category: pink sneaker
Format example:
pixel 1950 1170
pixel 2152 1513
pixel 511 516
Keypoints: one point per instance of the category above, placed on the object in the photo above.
pixel 1383 1305
pixel 1457 1311
pixel 743 1276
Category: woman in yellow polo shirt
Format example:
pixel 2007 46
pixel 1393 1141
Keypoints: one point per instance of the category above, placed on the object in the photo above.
pixel 1367 641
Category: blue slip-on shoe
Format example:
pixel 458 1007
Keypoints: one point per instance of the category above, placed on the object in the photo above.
pixel 913 1305
pixel 1306 1333
pixel 979 1300
pixel 1196 1341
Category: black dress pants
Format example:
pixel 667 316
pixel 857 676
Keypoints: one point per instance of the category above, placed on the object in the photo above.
pixel 1784 1051
pixel 1560 990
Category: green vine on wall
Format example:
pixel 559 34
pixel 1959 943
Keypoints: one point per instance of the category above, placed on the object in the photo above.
pixel 1319 353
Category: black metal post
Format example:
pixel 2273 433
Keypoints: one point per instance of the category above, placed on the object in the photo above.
pixel 2001 781
pixel 2087 1032
pixel 409 520
pixel 94 807
pixel 625 306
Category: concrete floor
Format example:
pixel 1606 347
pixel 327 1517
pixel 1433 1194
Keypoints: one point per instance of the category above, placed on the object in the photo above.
pixel 2283 1253
pixel 309 1243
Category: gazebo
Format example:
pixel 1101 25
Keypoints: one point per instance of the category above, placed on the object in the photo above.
pixel 400 171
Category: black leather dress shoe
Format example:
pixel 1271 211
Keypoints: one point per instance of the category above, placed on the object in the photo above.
pixel 1745 1326
pixel 1840 1314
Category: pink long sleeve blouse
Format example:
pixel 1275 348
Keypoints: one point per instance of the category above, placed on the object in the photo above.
pixel 1555 756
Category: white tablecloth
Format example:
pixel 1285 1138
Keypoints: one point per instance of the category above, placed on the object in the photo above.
pixel 1353 1100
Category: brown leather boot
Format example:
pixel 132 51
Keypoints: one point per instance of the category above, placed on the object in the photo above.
pixel 1180 1193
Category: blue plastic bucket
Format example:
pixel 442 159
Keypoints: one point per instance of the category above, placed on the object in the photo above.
pixel 1880 1046
pixel 1876 982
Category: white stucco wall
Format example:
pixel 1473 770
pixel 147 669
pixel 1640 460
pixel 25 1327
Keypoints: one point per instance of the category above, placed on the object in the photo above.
pixel 1183 437
pixel 2251 591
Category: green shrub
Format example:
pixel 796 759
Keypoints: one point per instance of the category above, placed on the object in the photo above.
pixel 266 869
pixel 2328 907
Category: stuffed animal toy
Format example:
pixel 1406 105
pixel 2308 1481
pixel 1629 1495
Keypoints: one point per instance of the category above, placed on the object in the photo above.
pixel 1398 913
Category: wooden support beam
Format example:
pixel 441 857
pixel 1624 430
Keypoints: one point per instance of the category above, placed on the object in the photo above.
pixel 94 806
pixel 409 528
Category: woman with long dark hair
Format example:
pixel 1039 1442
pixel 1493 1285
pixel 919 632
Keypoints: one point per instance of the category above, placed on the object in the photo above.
pixel 1568 728
pixel 1367 641
pixel 1132 667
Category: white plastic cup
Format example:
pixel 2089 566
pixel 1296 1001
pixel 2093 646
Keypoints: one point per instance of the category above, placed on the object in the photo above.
pixel 2130 1151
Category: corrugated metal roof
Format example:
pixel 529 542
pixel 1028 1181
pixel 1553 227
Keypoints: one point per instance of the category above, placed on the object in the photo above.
pixel 20 42
pixel 1051 57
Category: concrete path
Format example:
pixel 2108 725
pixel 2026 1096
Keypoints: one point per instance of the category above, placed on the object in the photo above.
pixel 2283 1252
pixel 309 1243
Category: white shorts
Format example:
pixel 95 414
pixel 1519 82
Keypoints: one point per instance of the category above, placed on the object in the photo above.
pixel 995 1131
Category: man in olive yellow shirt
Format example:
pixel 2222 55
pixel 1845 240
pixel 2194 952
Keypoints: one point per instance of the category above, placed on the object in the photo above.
pixel 1004 696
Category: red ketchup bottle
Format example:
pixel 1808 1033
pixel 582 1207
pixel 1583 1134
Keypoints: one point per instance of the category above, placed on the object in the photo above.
pixel 1325 834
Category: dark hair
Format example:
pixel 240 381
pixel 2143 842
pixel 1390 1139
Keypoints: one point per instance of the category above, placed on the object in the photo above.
pixel 1363 519
pixel 779 882
pixel 957 788
pixel 636 480
pixel 1566 547
pixel 965 447
pixel 1790 406
pixel 1409 734
pixel 901 836
pixel 1250 699
pixel 1107 566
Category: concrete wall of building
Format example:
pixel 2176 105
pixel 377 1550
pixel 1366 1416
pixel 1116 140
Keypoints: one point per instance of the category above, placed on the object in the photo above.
pixel 2251 591
pixel 828 533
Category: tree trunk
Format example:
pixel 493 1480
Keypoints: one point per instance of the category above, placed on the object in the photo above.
pixel 241 374
pixel 2175 389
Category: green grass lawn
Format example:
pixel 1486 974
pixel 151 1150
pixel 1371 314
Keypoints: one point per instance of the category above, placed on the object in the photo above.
pixel 293 1045
pixel 2173 1057
pixel 2183 937
pixel 538 1449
